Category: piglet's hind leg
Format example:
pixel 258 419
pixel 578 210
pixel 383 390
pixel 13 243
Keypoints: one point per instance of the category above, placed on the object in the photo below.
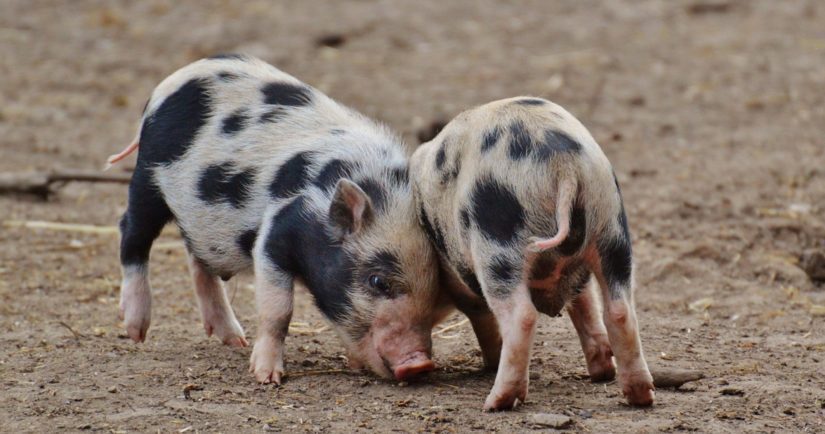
pixel 613 271
pixel 585 313
pixel 516 316
pixel 218 318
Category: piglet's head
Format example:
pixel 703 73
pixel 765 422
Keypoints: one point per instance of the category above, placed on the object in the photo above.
pixel 392 292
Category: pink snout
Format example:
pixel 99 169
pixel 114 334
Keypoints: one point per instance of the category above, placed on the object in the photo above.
pixel 417 363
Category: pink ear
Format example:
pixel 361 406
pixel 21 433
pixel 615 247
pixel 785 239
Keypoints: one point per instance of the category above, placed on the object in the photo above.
pixel 351 208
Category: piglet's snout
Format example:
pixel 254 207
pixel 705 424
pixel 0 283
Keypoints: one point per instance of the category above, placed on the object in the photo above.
pixel 417 363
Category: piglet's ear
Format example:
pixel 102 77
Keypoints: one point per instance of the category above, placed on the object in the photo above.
pixel 351 208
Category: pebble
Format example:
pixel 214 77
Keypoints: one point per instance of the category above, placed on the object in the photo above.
pixel 550 420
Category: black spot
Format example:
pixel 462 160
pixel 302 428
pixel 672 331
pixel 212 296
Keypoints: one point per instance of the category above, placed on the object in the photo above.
pixel 502 269
pixel 441 156
pixel 556 142
pixel 617 259
pixel 496 211
pixel 464 216
pixel 227 76
pixel 400 176
pixel 331 173
pixel 246 241
pixel 273 115
pixel 235 122
pixel 469 278
pixel 452 174
pixel 297 246
pixel 233 56
pixel 218 184
pixel 432 230
pixel 531 101
pixel 521 144
pixel 279 93
pixel 292 176
pixel 578 231
pixel 169 131
pixel 543 266
pixel 375 191
pixel 490 139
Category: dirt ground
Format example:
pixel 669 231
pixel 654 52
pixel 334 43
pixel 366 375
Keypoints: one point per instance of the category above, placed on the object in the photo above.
pixel 712 113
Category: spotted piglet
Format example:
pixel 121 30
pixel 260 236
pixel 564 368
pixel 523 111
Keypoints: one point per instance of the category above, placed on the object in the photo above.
pixel 523 206
pixel 262 172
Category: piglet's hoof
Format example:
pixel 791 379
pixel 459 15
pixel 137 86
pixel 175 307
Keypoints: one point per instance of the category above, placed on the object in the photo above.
pixel 506 399
pixel 639 394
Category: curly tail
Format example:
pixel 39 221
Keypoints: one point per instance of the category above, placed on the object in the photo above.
pixel 564 203
pixel 124 153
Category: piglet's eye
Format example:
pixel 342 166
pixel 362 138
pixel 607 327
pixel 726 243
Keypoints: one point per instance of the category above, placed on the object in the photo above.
pixel 378 283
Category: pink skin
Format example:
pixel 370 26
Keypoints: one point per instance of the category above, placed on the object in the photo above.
pixel 585 313
pixel 136 301
pixel 398 344
pixel 623 333
pixel 517 318
pixel 218 318
pixel 274 314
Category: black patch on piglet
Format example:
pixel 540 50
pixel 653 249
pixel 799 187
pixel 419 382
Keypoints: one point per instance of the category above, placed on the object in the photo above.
pixel 578 231
pixel 441 156
pixel 400 176
pixel 530 101
pixel 432 230
pixel 220 183
pixel 496 211
pixel 297 246
pixel 169 131
pixel 617 255
pixel 502 269
pixel 279 93
pixel 235 122
pixel 246 241
pixel 273 115
pixel 521 144
pixel 232 56
pixel 490 139
pixel 556 142
pixel 469 278
pixel 331 173
pixel 227 76
pixel 292 176
pixel 375 191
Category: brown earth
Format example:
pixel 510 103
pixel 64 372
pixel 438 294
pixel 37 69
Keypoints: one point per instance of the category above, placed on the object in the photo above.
pixel 712 113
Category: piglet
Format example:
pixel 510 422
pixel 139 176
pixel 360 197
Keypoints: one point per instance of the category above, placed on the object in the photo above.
pixel 263 173
pixel 524 207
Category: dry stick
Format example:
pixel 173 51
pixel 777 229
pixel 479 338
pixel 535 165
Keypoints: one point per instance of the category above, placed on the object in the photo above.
pixel 319 372
pixel 39 183
pixel 450 327
pixel 77 335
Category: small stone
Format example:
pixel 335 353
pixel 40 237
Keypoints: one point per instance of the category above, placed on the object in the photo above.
pixel 813 262
pixel 112 389
pixel 550 420
pixel 585 414
pixel 732 391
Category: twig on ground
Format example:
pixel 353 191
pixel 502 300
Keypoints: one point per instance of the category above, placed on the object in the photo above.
pixel 40 183
pixel 77 335
pixel 450 327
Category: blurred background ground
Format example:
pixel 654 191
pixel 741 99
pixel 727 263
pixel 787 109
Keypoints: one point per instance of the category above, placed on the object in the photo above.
pixel 712 113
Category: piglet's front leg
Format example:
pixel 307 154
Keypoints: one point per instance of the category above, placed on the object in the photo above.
pixel 274 298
